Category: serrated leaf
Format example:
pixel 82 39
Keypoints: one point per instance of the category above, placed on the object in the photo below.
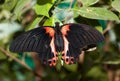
pixel 89 2
pixel 43 9
pixel 97 13
pixel 116 5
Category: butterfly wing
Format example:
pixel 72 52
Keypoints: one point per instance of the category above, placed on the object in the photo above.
pixel 78 37
pixel 36 40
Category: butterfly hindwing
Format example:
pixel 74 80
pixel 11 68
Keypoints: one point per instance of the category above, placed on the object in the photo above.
pixel 79 38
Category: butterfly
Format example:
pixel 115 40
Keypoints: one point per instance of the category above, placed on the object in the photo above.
pixel 52 43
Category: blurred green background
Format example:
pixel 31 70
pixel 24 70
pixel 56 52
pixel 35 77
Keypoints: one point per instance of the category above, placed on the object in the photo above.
pixel 18 16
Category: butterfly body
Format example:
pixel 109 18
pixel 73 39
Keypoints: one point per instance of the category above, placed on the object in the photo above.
pixel 58 43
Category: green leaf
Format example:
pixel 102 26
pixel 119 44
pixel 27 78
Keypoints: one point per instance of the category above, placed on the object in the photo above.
pixel 29 61
pixel 42 2
pixel 100 75
pixel 4 14
pixel 89 2
pixel 72 67
pixel 66 4
pixel 9 4
pixel 2 56
pixel 19 7
pixel 8 28
pixel 103 23
pixel 116 5
pixel 34 23
pixel 49 22
pixel 99 28
pixel 97 13
pixel 43 9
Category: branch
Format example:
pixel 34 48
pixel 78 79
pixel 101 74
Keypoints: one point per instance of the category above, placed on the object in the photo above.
pixel 6 53
pixel 110 25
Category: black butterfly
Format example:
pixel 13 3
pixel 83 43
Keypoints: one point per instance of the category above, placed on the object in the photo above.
pixel 50 42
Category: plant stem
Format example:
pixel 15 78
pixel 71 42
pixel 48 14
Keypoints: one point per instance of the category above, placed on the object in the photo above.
pixel 6 53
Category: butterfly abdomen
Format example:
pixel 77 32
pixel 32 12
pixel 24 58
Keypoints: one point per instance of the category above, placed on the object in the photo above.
pixel 59 43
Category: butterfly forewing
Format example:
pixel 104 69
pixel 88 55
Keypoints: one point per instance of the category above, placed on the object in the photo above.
pixel 28 40
pixel 36 40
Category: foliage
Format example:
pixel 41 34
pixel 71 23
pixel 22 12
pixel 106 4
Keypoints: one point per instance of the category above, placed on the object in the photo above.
pixel 17 16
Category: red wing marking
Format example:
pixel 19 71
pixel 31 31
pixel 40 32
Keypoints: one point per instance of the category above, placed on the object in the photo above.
pixel 52 45
pixel 52 62
pixel 66 45
pixel 49 30
pixel 66 53
pixel 65 29
pixel 67 59
pixel 55 58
